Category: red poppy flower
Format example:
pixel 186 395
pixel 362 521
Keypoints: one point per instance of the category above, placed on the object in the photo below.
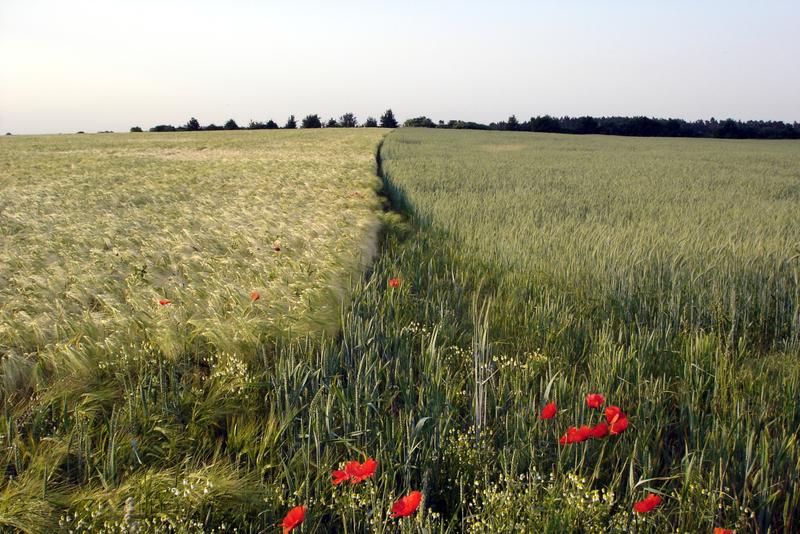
pixel 549 411
pixel 357 472
pixel 569 437
pixel 647 504
pixel 293 518
pixel 406 505
pixel 619 425
pixel 394 283
pixel 595 400
pixel 339 477
pixel 576 435
pixel 612 413
pixel 719 530
pixel 600 430
pixel 255 295
pixel 164 302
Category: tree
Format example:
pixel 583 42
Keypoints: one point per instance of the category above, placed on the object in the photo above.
pixel 545 124
pixel 729 129
pixel 370 123
pixel 163 128
pixel 512 123
pixel 231 125
pixel 331 123
pixel 587 125
pixel 256 125
pixel 348 120
pixel 193 125
pixel 136 129
pixel 212 127
pixel 311 121
pixel 291 124
pixel 388 120
pixel 420 122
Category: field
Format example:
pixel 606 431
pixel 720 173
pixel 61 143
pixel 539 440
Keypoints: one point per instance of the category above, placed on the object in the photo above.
pixel 250 236
pixel 660 272
pixel 515 270
pixel 662 232
pixel 99 229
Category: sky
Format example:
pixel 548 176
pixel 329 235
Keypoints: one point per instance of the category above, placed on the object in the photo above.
pixel 109 65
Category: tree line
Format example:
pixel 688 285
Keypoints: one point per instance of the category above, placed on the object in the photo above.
pixel 348 120
pixel 629 126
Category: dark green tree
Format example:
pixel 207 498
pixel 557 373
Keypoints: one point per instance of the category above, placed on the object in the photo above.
pixel 193 125
pixel 311 121
pixel 291 124
pixel 231 125
pixel 512 124
pixel 271 125
pixel 420 122
pixel 587 125
pixel 136 129
pixel 331 123
pixel 370 123
pixel 545 124
pixel 388 120
pixel 348 120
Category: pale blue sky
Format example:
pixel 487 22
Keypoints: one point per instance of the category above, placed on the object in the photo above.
pixel 96 65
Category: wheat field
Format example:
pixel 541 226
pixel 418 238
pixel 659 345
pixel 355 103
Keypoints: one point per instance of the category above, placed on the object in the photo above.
pixel 512 275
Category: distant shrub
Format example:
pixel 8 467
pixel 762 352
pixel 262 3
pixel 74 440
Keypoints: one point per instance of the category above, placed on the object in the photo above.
pixel 163 128
pixel 370 123
pixel 271 125
pixel 291 123
pixel 212 127
pixel 231 125
pixel 331 123
pixel 136 129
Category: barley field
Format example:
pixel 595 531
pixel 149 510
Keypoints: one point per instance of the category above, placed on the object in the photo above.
pixel 514 274
pixel 118 248
pixel 96 230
